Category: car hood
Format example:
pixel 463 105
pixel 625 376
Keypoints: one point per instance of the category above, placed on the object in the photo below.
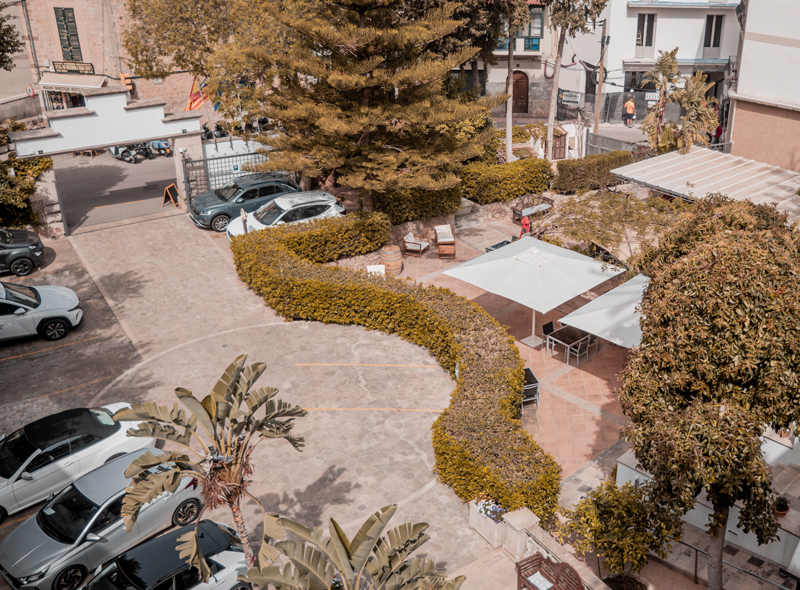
pixel 21 236
pixel 55 298
pixel 207 201
pixel 28 550
pixel 235 225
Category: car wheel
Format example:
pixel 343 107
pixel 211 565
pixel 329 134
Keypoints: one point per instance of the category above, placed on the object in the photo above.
pixel 54 329
pixel 186 513
pixel 22 267
pixel 70 578
pixel 242 586
pixel 220 222
pixel 114 457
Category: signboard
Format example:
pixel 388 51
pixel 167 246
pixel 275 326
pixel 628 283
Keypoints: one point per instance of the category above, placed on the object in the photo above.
pixel 29 91
pixel 171 195
pixel 571 99
pixel 651 96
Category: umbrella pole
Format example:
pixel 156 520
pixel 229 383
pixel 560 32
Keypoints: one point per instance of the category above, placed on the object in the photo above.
pixel 533 340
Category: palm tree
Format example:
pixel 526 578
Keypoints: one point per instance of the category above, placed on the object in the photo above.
pixel 369 560
pixel 223 451
pixel 699 119
pixel 661 133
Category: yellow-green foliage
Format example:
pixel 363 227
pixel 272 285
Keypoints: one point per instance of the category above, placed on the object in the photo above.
pixel 502 182
pixel 478 440
pixel 16 189
pixel 409 204
pixel 589 173
pixel 519 134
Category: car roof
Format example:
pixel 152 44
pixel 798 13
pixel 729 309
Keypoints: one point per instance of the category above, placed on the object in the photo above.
pixel 304 198
pixel 158 558
pixel 52 429
pixel 108 480
pixel 250 180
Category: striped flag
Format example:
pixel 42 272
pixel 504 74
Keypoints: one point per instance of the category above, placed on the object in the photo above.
pixel 197 97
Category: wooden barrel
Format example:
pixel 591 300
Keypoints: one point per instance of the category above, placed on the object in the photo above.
pixel 392 259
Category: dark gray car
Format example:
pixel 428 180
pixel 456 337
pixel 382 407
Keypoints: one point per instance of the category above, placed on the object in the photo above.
pixel 20 251
pixel 214 209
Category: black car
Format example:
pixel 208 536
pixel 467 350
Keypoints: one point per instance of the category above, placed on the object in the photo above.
pixel 20 251
pixel 214 209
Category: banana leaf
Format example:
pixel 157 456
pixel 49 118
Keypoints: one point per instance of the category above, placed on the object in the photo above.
pixel 189 551
pixel 145 488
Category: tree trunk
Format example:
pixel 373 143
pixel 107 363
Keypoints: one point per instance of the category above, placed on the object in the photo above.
pixel 238 523
pixel 551 117
pixel 476 78
pixel 510 90
pixel 715 547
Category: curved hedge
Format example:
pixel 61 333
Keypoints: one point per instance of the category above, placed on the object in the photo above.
pixel 411 204
pixel 478 441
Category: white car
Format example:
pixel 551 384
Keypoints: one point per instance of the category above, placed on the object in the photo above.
pixel 51 453
pixel 49 311
pixel 294 208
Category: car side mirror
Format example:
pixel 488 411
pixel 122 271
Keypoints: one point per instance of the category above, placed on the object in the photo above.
pixel 94 538
pixel 20 311
pixel 50 497
pixel 239 200
pixel 26 476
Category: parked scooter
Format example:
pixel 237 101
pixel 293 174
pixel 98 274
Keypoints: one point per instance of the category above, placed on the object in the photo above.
pixel 161 146
pixel 126 153
pixel 145 150
pixel 219 131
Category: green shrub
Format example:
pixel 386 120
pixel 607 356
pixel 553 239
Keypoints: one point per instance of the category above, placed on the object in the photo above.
pixel 519 134
pixel 589 173
pixel 478 440
pixel 502 182
pixel 410 204
pixel 16 190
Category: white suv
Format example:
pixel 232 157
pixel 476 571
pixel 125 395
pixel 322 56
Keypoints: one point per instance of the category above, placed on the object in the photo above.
pixel 48 311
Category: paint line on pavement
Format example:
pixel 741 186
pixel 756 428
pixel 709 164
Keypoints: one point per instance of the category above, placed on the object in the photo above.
pixel 8 358
pixel 61 390
pixel 371 410
pixel 361 365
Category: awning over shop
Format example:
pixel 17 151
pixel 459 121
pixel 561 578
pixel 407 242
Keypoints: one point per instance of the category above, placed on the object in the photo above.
pixel 613 315
pixel 74 83
pixel 701 172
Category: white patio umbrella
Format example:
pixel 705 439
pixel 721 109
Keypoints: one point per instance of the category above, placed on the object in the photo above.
pixel 613 315
pixel 535 274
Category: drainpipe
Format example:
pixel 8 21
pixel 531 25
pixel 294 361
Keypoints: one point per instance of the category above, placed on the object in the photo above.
pixel 30 38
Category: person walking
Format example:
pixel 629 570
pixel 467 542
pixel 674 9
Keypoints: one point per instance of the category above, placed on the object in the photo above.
pixel 526 226
pixel 630 111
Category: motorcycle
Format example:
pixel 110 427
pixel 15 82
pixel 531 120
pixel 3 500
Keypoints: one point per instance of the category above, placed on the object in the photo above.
pixel 126 153
pixel 219 131
pixel 144 150
pixel 161 146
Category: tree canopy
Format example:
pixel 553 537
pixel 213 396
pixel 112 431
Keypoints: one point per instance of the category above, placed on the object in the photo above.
pixel 10 42
pixel 719 361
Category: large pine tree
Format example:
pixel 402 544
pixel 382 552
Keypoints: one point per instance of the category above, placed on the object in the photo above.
pixel 357 93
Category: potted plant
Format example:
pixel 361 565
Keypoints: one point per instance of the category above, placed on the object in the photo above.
pixel 486 517
pixel 781 505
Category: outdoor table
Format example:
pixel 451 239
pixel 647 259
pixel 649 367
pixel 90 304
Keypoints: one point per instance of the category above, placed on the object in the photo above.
pixel 497 245
pixel 566 336
pixel 520 213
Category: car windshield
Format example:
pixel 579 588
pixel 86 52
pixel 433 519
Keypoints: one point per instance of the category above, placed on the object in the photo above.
pixel 64 517
pixel 103 416
pixel 268 214
pixel 14 451
pixel 5 237
pixel 21 294
pixel 112 578
pixel 227 191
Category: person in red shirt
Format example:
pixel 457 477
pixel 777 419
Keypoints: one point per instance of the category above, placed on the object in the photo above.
pixel 526 226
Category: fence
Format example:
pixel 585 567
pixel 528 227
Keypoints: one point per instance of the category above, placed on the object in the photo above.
pixel 599 144
pixel 207 174
pixel 611 107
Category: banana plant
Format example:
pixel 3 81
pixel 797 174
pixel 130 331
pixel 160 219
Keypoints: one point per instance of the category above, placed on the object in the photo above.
pixel 218 453
pixel 370 560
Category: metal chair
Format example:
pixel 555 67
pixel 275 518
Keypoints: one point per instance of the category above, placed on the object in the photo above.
pixel 530 390
pixel 579 349
pixel 547 329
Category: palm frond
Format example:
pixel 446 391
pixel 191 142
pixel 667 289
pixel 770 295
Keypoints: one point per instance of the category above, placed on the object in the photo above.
pixel 311 563
pixel 198 411
pixel 146 487
pixel 368 535
pixel 148 460
pixel 258 397
pixel 189 551
pixel 288 579
pixel 164 432
pixel 247 379
pixel 154 413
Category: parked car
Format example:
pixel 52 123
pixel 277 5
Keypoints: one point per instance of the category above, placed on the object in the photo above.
pixel 82 527
pixel 20 251
pixel 52 452
pixel 49 311
pixel 296 208
pixel 214 209
pixel 156 564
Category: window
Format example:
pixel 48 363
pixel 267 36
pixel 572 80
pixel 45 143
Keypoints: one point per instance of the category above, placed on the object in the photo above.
pixel 272 189
pixel 713 30
pixel 313 211
pixel 534 28
pixel 81 442
pixel 68 34
pixel 248 195
pixel 645 35
pixel 107 517
pixel 49 457
pixel 502 43
pixel 531 44
pixel 294 215
pixel 7 309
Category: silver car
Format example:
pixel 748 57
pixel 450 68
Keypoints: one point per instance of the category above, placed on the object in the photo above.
pixel 157 565
pixel 81 528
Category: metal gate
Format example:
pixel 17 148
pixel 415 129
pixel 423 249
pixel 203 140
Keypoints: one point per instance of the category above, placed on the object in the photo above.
pixel 599 144
pixel 207 174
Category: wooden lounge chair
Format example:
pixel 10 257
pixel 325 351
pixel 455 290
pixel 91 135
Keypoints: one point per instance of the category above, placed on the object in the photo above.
pixel 445 241
pixel 414 246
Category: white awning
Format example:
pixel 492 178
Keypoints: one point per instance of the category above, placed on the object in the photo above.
pixel 70 82
pixel 534 273
pixel 701 172
pixel 613 316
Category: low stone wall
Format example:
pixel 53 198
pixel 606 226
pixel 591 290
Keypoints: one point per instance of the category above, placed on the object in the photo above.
pixel 47 206
pixel 501 211
pixel 421 229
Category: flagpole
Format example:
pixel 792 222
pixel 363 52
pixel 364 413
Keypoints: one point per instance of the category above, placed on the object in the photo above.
pixel 203 96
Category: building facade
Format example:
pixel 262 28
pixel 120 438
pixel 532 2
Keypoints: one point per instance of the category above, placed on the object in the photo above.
pixel 76 45
pixel 764 120
pixel 14 100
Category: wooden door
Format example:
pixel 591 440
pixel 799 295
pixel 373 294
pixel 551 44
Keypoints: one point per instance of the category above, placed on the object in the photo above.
pixel 520 104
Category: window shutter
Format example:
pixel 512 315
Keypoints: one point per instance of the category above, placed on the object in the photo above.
pixel 68 34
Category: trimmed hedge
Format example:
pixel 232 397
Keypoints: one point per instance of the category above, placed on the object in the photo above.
pixel 589 173
pixel 502 182
pixel 478 441
pixel 411 204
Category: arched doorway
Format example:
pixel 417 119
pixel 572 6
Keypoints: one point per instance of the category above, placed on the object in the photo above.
pixel 520 104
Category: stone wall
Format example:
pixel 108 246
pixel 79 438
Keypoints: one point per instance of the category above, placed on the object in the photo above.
pixel 501 211
pixel 47 206
pixel 538 99
pixel 421 229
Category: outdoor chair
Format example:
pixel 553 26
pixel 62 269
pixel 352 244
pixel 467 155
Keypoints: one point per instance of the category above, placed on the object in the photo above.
pixel 579 349
pixel 445 241
pixel 530 390
pixel 594 341
pixel 414 246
